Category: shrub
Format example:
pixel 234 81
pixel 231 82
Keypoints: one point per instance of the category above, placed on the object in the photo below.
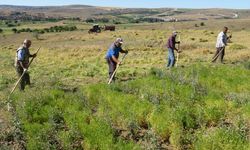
pixel 28 30
pixel 89 20
pixel 203 40
pixel 10 25
pixel 14 30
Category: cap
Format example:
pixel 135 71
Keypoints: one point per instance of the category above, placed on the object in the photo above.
pixel 175 32
pixel 119 40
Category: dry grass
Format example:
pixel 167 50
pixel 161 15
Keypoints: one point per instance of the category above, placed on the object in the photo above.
pixel 74 59
pixel 78 52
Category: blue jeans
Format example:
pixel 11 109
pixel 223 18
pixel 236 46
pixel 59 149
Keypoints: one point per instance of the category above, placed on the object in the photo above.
pixel 171 58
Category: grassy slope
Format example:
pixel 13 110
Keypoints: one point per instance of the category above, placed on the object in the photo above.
pixel 206 104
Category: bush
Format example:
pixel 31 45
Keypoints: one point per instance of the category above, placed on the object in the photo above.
pixel 1 30
pixel 203 40
pixel 14 30
pixel 10 25
pixel 202 24
pixel 103 20
pixel 28 30
pixel 89 20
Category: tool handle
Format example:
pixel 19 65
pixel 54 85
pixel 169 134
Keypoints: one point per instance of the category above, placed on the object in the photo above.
pixel 111 78
pixel 34 57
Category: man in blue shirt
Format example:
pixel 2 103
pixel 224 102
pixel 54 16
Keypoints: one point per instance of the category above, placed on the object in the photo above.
pixel 113 55
pixel 22 63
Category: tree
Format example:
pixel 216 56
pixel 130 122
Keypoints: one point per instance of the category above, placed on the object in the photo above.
pixel 10 25
pixel 202 24
pixel 90 20
pixel 28 30
pixel 14 30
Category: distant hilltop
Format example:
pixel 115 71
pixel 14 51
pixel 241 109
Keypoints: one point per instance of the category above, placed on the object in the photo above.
pixel 122 15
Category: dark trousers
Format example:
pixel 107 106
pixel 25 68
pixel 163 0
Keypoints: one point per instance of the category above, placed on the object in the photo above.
pixel 25 79
pixel 112 66
pixel 220 52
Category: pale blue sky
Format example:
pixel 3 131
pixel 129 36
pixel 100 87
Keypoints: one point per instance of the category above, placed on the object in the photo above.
pixel 239 4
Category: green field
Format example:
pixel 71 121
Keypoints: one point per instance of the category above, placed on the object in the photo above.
pixel 197 105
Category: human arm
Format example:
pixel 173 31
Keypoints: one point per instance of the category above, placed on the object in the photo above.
pixel 230 36
pixel 178 49
pixel 173 42
pixel 224 40
pixel 178 42
pixel 115 59
pixel 25 68
pixel 124 51
pixel 34 55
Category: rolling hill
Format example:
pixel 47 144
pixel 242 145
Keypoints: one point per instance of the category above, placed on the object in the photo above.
pixel 83 12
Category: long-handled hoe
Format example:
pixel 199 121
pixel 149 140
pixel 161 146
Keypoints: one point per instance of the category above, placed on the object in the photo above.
pixel 111 78
pixel 178 53
pixel 18 81
pixel 215 57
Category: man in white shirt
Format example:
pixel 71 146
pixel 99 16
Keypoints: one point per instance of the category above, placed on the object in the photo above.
pixel 221 43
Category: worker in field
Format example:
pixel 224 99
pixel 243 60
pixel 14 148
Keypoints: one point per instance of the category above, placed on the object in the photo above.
pixel 171 48
pixel 222 40
pixel 22 62
pixel 113 55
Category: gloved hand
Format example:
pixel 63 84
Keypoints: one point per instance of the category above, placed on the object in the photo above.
pixel 25 70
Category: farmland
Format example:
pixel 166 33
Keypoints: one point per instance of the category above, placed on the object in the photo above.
pixel 197 105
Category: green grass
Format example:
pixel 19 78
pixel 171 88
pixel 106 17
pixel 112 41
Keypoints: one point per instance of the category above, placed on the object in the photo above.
pixel 197 105
pixel 186 111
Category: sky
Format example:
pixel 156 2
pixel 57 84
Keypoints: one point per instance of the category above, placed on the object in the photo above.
pixel 236 4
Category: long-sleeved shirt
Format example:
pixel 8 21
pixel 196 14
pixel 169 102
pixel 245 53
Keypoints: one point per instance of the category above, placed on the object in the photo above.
pixel 171 42
pixel 221 40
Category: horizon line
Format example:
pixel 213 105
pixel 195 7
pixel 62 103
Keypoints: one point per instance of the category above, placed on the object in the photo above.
pixel 122 7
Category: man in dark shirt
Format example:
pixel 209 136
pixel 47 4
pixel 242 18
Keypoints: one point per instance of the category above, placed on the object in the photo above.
pixel 113 55
pixel 171 47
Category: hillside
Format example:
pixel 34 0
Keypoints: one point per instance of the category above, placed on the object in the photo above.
pixel 83 12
